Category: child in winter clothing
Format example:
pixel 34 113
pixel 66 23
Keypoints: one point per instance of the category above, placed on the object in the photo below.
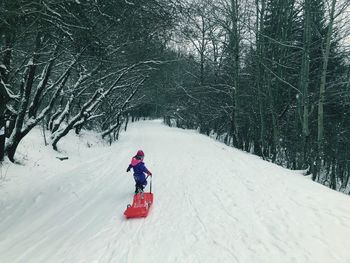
pixel 139 171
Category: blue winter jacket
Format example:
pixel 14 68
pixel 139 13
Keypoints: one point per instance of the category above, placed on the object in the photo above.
pixel 139 171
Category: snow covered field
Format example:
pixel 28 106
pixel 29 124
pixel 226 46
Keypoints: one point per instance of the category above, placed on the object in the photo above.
pixel 212 203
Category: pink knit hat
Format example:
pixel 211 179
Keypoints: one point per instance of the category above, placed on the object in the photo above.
pixel 140 153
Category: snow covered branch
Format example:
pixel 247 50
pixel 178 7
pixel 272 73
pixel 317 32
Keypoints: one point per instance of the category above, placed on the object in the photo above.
pixel 122 109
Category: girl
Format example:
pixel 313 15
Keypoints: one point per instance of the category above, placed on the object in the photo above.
pixel 139 171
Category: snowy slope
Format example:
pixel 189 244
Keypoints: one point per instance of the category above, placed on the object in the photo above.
pixel 212 203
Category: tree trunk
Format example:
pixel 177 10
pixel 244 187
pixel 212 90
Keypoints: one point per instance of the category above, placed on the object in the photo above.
pixel 275 132
pixel 304 79
pixel 259 82
pixel 4 96
pixel 2 137
pixel 26 88
pixel 234 42
pixel 325 52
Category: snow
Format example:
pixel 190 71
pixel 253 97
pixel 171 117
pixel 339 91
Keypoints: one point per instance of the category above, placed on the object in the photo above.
pixel 213 203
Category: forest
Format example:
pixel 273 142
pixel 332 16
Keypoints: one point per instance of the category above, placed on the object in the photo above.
pixel 270 77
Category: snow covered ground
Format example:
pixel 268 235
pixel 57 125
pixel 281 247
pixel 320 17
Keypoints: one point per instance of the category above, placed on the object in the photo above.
pixel 212 203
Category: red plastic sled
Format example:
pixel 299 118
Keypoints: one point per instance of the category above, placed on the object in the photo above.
pixel 140 205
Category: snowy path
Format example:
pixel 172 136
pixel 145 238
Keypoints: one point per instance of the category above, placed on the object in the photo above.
pixel 212 204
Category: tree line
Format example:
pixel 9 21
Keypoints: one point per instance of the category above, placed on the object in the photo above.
pixel 268 77
pixel 73 64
